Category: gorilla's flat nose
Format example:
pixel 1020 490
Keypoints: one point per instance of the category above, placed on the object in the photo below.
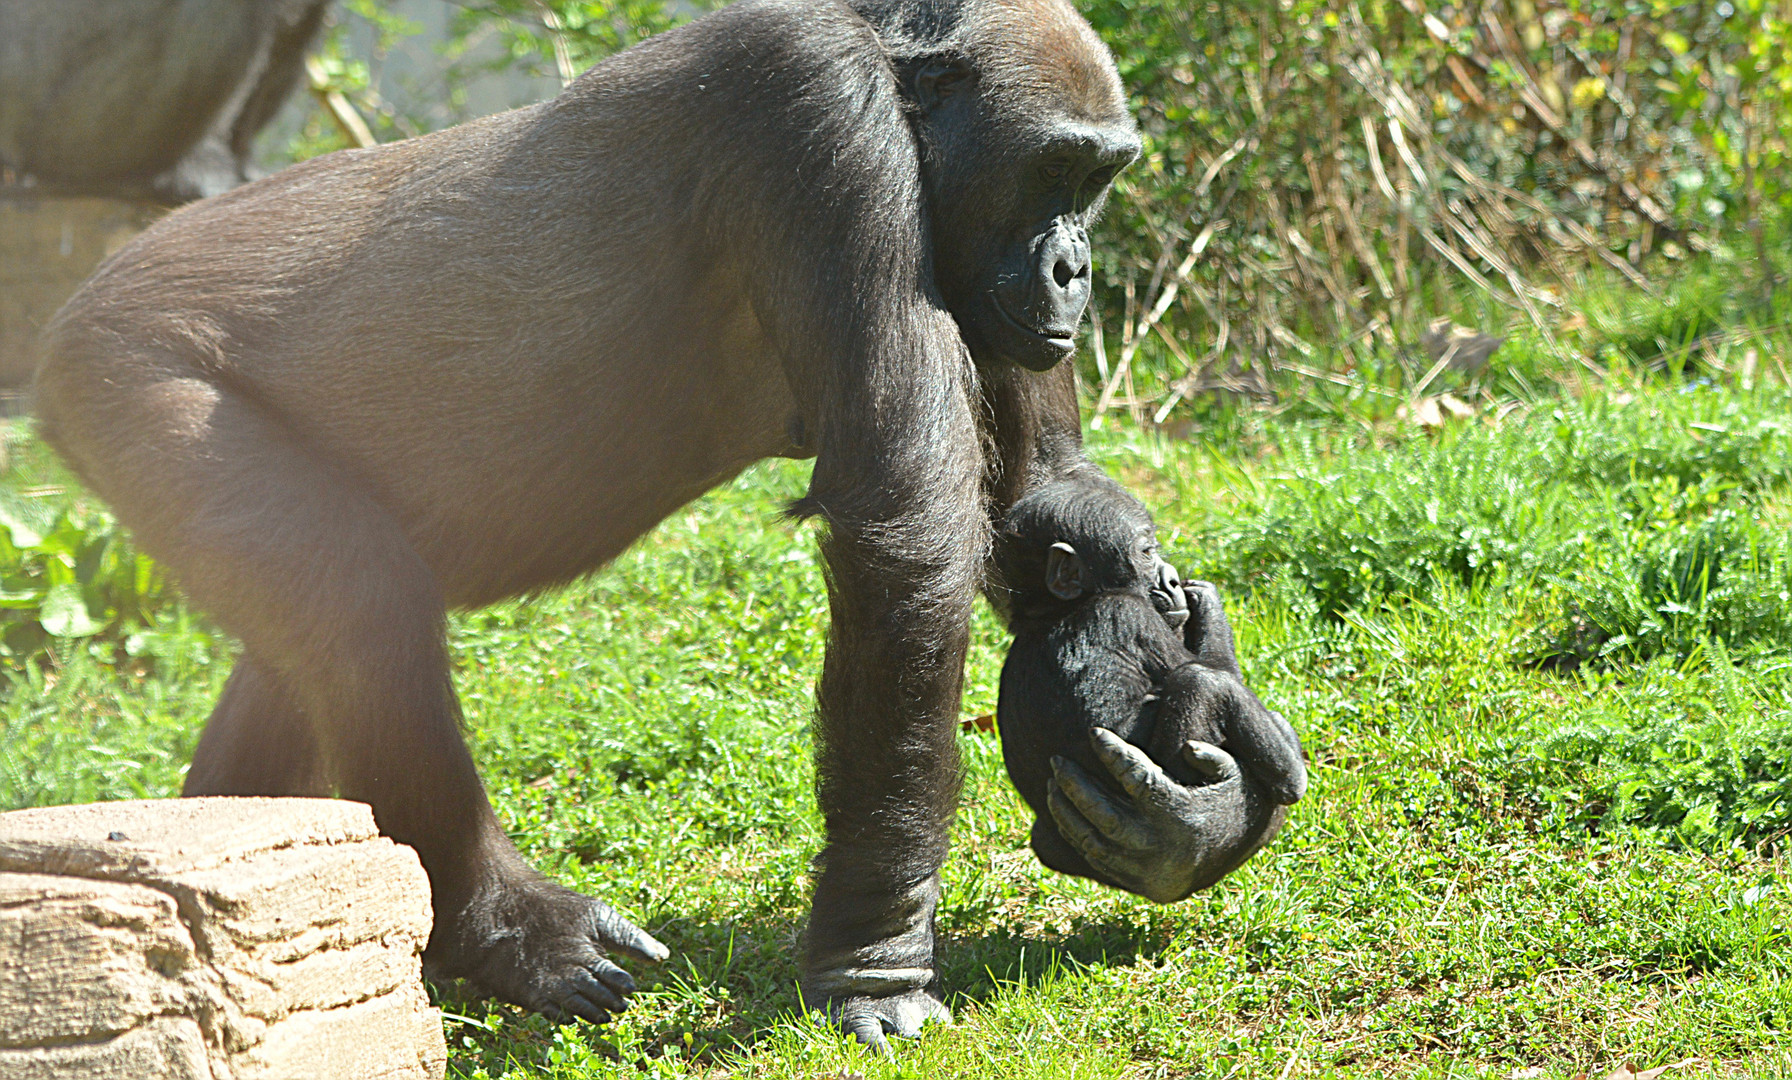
pixel 1066 253
pixel 1063 281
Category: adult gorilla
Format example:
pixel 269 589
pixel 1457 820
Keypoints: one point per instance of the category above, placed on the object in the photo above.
pixel 444 371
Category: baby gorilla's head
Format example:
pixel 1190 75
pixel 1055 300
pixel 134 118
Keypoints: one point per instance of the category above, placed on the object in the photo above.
pixel 1079 537
pixel 1094 609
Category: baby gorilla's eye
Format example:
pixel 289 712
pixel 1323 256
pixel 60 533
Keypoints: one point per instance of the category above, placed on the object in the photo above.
pixel 1053 171
pixel 1100 179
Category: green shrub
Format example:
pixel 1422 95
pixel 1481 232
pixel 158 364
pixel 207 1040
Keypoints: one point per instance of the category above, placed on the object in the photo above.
pixel 68 571
pixel 1648 523
pixel 1700 782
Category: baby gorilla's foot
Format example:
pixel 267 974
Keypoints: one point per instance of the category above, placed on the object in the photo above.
pixel 542 946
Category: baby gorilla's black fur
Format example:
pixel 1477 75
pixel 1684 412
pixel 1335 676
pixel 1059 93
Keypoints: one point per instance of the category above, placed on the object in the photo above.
pixel 1106 636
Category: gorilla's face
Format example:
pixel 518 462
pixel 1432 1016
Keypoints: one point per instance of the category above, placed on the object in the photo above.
pixel 1021 140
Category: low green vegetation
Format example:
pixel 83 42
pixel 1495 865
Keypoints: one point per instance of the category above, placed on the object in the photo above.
pixel 1541 659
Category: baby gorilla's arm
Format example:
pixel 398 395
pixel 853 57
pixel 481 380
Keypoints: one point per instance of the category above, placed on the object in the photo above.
pixel 1197 702
pixel 1207 634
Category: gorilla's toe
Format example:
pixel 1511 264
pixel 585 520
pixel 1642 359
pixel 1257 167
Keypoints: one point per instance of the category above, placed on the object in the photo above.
pixel 870 1019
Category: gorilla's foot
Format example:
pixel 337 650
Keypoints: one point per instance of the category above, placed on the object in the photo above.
pixel 869 965
pixel 871 1019
pixel 542 946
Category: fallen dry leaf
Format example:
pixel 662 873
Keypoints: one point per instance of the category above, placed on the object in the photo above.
pixel 985 723
pixel 1628 1071
pixel 1436 411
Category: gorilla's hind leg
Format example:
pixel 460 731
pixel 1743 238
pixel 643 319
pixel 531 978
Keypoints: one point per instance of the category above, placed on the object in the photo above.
pixel 346 678
pixel 257 742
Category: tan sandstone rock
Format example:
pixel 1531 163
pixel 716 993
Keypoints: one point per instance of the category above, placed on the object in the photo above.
pixel 212 939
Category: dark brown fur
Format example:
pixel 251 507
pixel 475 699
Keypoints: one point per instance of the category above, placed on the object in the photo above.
pixel 384 383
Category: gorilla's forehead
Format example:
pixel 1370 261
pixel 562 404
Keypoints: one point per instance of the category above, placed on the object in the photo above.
pixel 1044 51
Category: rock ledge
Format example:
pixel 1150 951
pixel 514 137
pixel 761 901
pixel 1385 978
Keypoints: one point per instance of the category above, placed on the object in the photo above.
pixel 212 939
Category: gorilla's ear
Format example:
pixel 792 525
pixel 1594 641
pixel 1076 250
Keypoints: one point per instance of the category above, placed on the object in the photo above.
pixel 1064 575
pixel 937 78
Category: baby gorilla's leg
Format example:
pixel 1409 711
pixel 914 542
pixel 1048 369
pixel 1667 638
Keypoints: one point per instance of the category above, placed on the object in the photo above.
pixel 1202 705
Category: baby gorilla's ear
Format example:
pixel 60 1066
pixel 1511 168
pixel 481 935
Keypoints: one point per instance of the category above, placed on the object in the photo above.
pixel 1064 574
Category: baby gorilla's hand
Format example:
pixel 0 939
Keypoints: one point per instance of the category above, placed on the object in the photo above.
pixel 1168 597
pixel 1208 635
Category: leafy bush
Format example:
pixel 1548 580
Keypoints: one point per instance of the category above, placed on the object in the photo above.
pixel 70 577
pixel 1702 782
pixel 68 571
pixel 1360 527
pixel 1647 520
pixel 1675 580
pixel 1320 178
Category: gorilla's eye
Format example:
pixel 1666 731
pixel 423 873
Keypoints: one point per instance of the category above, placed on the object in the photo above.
pixel 1100 179
pixel 1053 171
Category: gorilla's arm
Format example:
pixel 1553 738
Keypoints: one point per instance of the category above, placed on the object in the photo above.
pixel 886 384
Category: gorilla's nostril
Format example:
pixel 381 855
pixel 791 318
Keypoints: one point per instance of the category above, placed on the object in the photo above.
pixel 1062 273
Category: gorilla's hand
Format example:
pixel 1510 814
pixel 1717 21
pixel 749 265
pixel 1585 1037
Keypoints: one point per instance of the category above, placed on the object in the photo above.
pixel 1169 841
pixel 871 1019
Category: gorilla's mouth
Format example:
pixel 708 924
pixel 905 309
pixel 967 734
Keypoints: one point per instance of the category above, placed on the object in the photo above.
pixel 1063 340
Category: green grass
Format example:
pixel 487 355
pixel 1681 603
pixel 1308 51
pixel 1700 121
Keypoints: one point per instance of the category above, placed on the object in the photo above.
pixel 1543 669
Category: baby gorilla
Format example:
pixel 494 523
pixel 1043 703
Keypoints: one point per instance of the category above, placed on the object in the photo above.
pixel 1111 649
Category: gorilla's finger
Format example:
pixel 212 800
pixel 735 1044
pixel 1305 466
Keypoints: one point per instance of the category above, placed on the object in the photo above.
pixel 1138 775
pixel 868 1029
pixel 1117 823
pixel 1261 740
pixel 1125 868
pixel 1209 760
pixel 1073 827
pixel 619 935
pixel 594 989
pixel 582 1007
pixel 606 972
